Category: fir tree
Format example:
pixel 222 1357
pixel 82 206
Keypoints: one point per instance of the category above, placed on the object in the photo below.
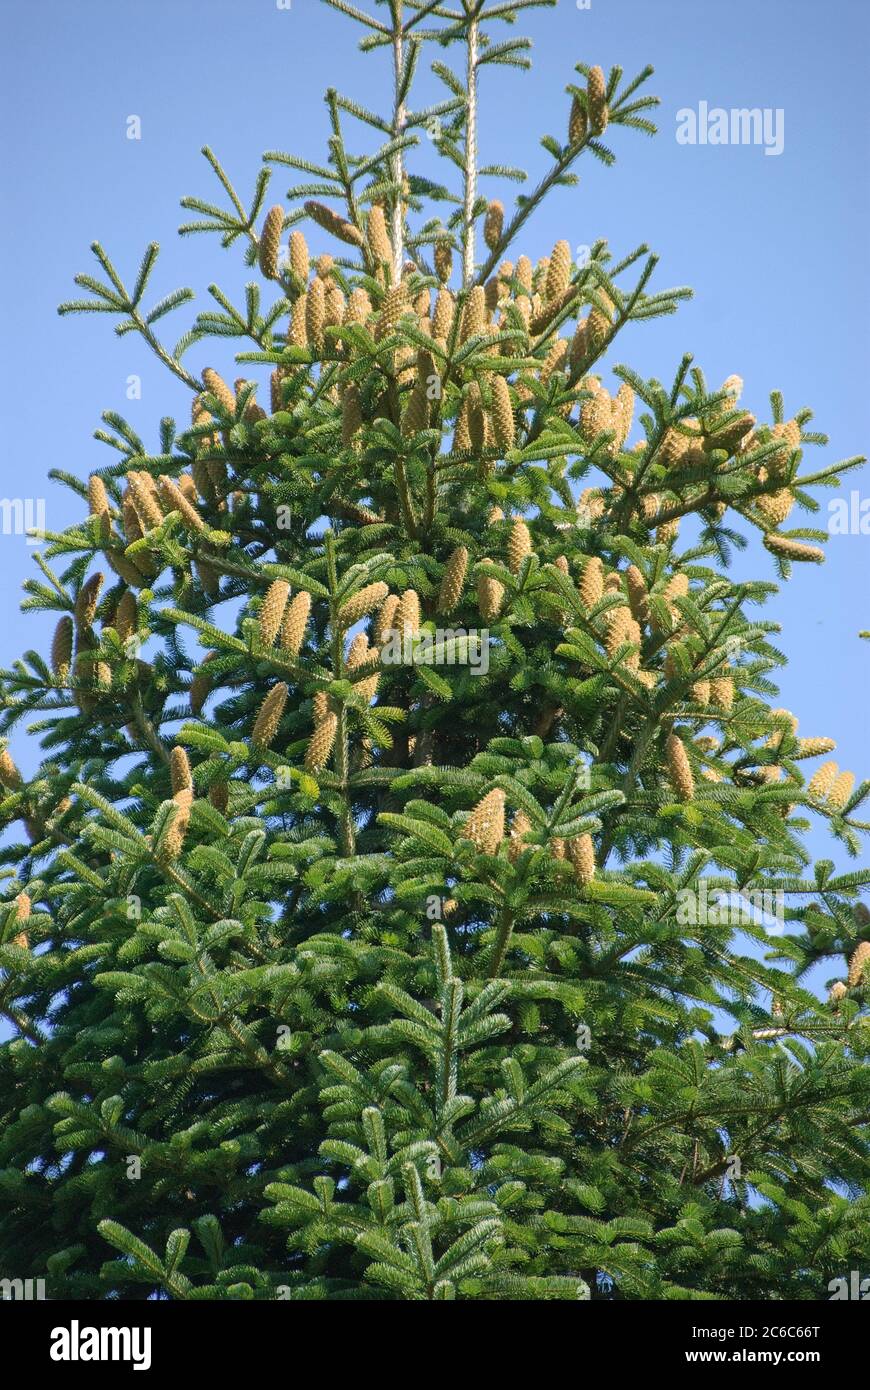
pixel 332 976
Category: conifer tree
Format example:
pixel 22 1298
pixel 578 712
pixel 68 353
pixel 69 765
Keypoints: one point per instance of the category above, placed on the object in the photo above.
pixel 335 977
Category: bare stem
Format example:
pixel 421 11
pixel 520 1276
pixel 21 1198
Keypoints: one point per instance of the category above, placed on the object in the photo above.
pixel 468 239
pixel 399 114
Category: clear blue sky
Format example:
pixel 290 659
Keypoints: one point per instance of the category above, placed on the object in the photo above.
pixel 774 247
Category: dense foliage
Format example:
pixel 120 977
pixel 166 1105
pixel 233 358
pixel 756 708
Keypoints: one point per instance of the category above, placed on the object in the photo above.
pixel 338 974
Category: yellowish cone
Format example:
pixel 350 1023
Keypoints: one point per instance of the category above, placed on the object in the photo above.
pixel 179 769
pixel 453 580
pixel 493 224
pixel 299 259
pixel 294 623
pixel 61 648
pixel 519 545
pixel 407 617
pixel 504 428
pixel 315 314
pixel 823 780
pixel 443 257
pixel 385 619
pixel 361 603
pixel 596 101
pixel 321 743
pixel 378 237
pixel 520 826
pixel 200 686
pixel 858 963
pixel 581 853
pixel 485 825
pixel 577 122
pixel 269 716
pixel 174 839
pixel 558 273
pixel 793 550
pixel 814 747
pixel 592 582
pixel 722 693
pixel 222 393
pixel 351 414
pixel 841 791
pixel 679 768
pixel 490 596
pixel 270 242
pixel 272 611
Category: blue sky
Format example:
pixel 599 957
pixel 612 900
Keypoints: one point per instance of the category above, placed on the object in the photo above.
pixel 774 247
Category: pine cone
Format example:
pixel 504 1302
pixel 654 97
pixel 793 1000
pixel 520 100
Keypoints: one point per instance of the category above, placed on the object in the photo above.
pixel 315 315
pixel 321 743
pixel 378 237
pixel 504 428
pixel 558 273
pixel 174 838
pixel 351 414
pixel 577 123
pixel 332 222
pixel 299 259
pixel 443 257
pixel 591 587
pixel 179 770
pixel 270 242
pixel 295 622
pixel 679 768
pixel 722 693
pixel 87 600
pixel 175 501
pixel 10 777
pixel 453 580
pixel 519 545
pixel 793 550
pixel 200 687
pixel 473 314
pixel 841 791
pixel 408 613
pixel 490 595
pixel 775 507
pixel 215 384
pixel 493 224
pixel 61 649
pixel 581 853
pixel 385 621
pixel 269 716
pixel 485 825
pixel 394 305
pixel 823 780
pixel 858 962
pixel 638 595
pixel 299 321
pixel 520 826
pixel 362 603
pixel 596 101
pixel 272 611
pixel 442 318
pixel 814 747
